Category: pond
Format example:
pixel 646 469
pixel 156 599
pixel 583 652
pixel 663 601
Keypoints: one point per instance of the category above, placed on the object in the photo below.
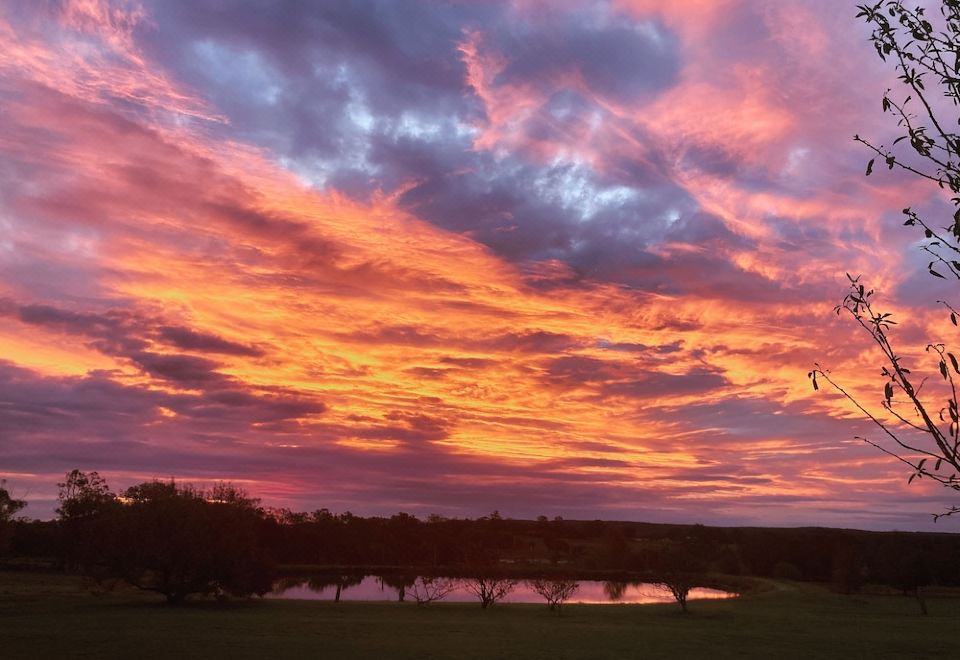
pixel 372 587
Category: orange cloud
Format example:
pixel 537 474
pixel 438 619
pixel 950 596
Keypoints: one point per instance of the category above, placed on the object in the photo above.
pixel 253 324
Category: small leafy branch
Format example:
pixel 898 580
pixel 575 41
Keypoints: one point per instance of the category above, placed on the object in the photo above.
pixel 926 58
pixel 919 52
pixel 935 453
pixel 927 61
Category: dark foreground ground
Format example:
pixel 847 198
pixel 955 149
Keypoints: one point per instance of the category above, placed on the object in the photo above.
pixel 52 616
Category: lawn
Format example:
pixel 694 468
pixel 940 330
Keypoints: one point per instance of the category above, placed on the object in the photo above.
pixel 53 616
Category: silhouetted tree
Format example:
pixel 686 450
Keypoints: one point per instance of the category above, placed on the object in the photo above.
pixel 679 584
pixel 86 529
pixel 168 538
pixel 485 539
pixel 426 590
pixel 191 541
pixel 919 431
pixel 615 589
pixel 680 566
pixel 555 592
pixel 287 582
pixel 83 494
pixel 400 582
pixel 9 507
pixel 404 539
pixel 320 582
pixel 489 589
pixel 342 582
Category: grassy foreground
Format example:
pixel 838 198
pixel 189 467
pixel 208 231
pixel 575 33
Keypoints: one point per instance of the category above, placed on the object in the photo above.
pixel 52 616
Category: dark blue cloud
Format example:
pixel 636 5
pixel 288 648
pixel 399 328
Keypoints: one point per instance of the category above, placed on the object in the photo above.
pixel 299 76
pixel 616 57
pixel 367 96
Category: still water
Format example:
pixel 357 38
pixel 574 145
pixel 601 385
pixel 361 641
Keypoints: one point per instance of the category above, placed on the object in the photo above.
pixel 371 587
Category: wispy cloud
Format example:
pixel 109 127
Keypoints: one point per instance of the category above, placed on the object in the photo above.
pixel 560 259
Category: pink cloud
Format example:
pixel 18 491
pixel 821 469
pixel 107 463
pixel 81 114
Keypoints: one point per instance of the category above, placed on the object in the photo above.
pixel 179 298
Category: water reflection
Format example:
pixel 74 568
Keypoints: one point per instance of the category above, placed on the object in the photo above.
pixel 385 588
pixel 615 590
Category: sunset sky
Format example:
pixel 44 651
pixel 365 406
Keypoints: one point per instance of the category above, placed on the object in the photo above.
pixel 559 258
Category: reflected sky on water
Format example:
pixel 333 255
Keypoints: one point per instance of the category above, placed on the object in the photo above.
pixel 374 588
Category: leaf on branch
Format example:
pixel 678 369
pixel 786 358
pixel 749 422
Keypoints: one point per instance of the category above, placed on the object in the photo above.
pixel 870 167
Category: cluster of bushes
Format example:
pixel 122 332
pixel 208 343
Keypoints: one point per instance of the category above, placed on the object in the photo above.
pixel 169 538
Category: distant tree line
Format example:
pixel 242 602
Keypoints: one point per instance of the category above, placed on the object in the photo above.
pixel 178 540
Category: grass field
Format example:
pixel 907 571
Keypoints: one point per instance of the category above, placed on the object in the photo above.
pixel 52 616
